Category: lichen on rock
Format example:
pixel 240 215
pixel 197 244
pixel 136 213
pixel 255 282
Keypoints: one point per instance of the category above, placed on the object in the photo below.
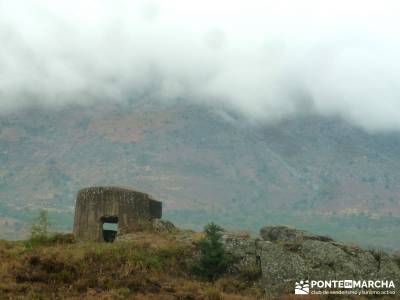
pixel 284 255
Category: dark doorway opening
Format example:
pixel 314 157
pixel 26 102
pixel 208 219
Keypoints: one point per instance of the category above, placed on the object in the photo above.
pixel 109 228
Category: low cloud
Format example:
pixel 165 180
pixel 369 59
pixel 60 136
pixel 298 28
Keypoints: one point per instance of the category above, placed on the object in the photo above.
pixel 267 60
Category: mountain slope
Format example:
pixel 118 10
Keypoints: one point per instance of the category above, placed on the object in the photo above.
pixel 317 174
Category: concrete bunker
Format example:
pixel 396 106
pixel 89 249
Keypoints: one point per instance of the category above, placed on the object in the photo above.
pixel 101 213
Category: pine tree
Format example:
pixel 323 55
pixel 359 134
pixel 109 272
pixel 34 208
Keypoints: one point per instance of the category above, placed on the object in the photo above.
pixel 40 230
pixel 213 260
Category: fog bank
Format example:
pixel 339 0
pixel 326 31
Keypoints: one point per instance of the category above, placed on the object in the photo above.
pixel 267 60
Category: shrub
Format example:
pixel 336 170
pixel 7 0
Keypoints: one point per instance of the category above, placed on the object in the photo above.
pixel 213 261
pixel 61 238
pixel 41 227
pixel 40 233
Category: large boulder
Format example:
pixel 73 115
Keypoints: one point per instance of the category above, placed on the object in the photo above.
pixel 279 268
pixel 244 250
pixel 329 260
pixel 396 257
pixel 161 225
pixel 286 255
pixel 283 233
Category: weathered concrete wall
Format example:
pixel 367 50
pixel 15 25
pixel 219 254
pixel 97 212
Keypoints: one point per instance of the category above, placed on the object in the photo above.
pixel 93 204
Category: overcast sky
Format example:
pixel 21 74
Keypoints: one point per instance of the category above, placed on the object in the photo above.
pixel 266 59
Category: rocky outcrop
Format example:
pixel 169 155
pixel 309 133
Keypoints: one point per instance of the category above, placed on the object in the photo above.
pixel 162 225
pixel 155 226
pixel 284 255
pixel 283 233
pixel 244 249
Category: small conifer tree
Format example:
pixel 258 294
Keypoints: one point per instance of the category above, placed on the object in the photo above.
pixel 213 261
pixel 40 229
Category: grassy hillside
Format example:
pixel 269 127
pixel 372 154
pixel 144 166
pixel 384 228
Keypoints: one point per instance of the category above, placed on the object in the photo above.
pixel 141 265
pixel 151 266
pixel 316 174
